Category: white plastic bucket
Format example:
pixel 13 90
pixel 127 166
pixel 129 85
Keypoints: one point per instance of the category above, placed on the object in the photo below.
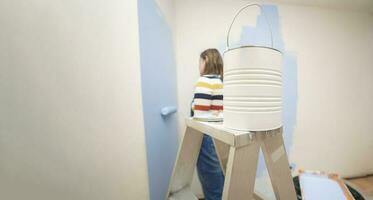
pixel 252 87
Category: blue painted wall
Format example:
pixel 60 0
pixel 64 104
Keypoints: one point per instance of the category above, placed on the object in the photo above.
pixel 259 35
pixel 158 74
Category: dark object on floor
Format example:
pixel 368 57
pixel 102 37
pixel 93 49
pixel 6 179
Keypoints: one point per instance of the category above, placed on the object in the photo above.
pixel 354 193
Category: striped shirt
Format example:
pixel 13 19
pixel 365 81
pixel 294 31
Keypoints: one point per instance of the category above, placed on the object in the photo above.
pixel 208 97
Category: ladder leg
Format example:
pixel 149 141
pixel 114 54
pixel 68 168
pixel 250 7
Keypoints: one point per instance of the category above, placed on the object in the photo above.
pixel 277 164
pixel 222 150
pixel 186 161
pixel 241 170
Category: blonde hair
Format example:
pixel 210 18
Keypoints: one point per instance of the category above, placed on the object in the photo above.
pixel 213 62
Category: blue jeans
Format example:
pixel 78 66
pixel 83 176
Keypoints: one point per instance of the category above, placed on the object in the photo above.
pixel 209 170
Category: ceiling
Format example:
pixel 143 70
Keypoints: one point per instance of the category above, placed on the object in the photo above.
pixel 358 5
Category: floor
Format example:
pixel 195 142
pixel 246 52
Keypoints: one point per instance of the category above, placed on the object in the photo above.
pixel 364 185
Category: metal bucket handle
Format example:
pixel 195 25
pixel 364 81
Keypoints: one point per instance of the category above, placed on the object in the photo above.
pixel 239 11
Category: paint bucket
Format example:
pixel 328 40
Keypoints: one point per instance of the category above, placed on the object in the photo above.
pixel 252 86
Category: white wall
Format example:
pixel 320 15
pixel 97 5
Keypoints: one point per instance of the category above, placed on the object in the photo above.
pixel 335 88
pixel 333 51
pixel 71 124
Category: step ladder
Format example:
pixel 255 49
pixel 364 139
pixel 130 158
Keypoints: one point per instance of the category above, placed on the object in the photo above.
pixel 238 154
